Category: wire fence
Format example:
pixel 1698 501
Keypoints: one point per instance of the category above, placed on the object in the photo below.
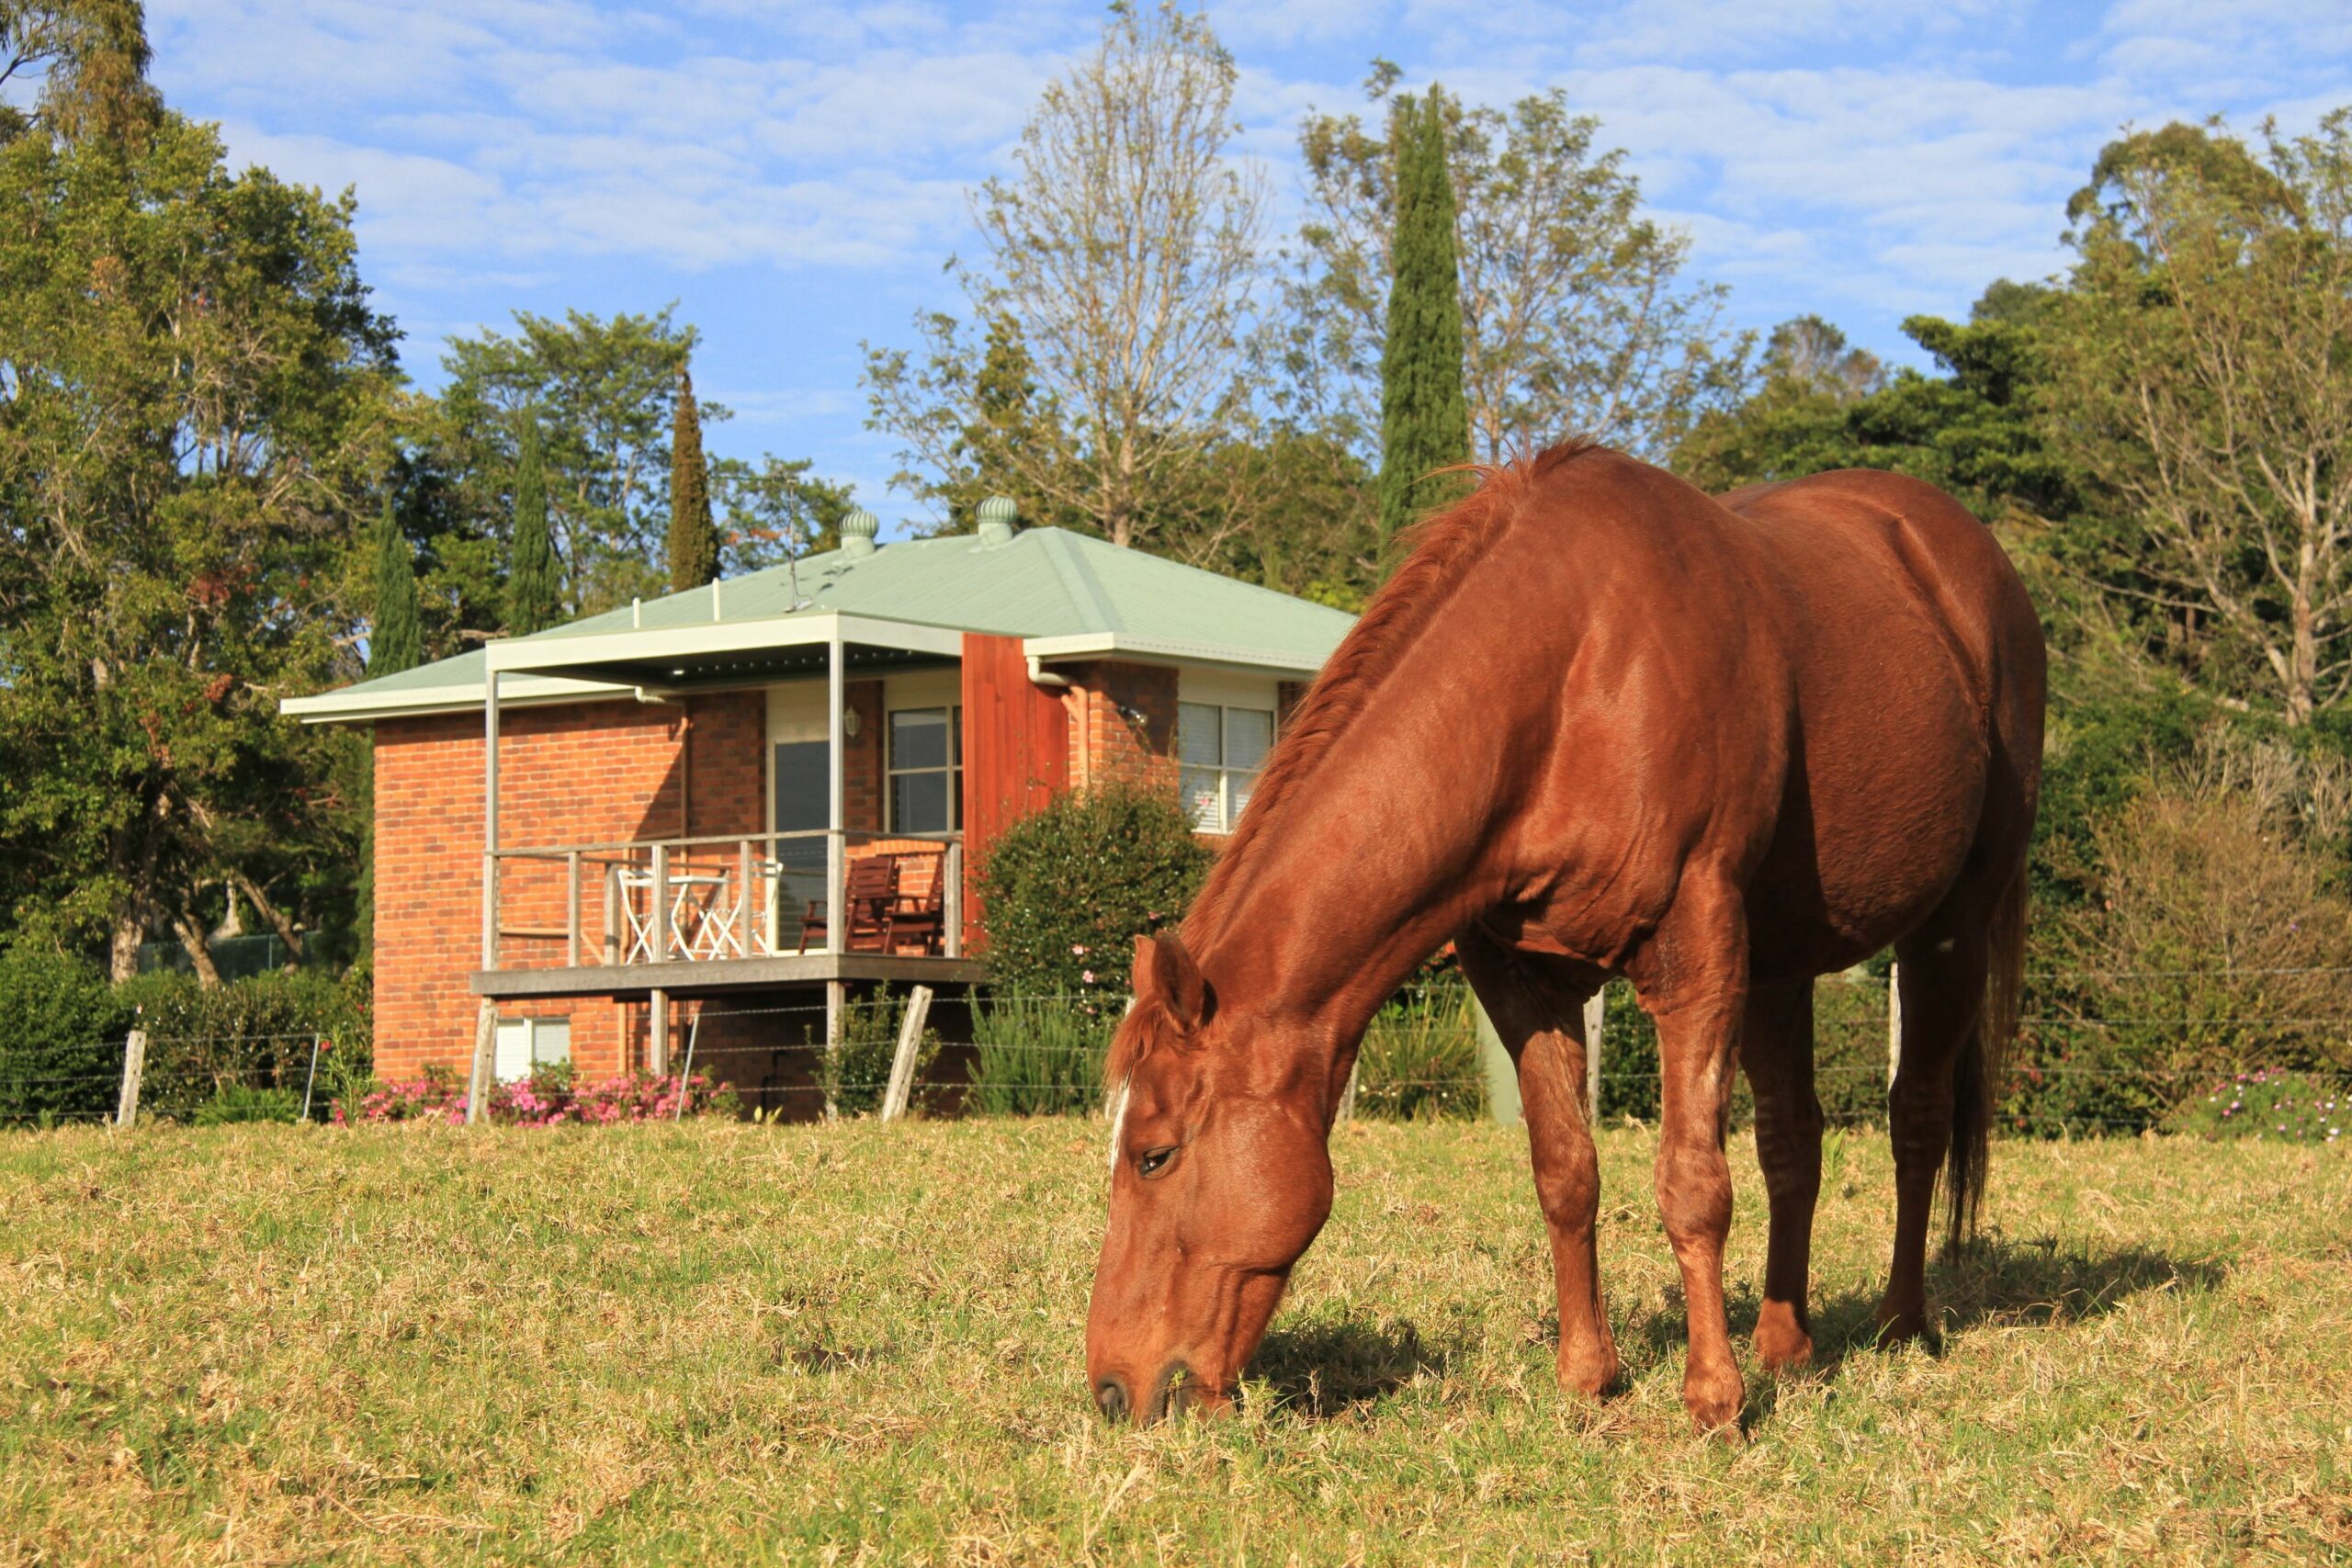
pixel 2283 1074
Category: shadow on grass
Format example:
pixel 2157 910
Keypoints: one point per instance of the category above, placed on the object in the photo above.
pixel 2036 1282
pixel 1321 1367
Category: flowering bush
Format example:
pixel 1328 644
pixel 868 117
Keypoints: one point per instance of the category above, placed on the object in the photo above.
pixel 550 1096
pixel 2269 1102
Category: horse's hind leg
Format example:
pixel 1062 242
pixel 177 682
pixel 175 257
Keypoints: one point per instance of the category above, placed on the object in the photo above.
pixel 1542 1024
pixel 1776 1048
pixel 1942 967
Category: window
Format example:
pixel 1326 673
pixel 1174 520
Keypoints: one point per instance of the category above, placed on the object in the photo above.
pixel 1219 751
pixel 926 768
pixel 528 1043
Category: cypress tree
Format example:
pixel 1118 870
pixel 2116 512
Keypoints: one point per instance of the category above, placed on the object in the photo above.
pixel 534 584
pixel 397 641
pixel 1424 417
pixel 693 540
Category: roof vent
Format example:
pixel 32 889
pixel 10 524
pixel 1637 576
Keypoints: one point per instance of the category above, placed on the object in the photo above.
pixel 858 533
pixel 998 518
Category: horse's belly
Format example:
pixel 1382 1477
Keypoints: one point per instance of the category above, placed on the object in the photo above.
pixel 1876 825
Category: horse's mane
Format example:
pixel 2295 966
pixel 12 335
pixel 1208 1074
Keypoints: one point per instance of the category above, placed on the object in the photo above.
pixel 1441 548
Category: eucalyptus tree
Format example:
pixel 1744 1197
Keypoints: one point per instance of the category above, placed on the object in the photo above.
pixel 1120 262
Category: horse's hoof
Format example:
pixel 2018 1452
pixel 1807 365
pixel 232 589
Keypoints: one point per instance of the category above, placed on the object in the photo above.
pixel 1781 1342
pixel 1901 1325
pixel 1590 1375
pixel 1714 1404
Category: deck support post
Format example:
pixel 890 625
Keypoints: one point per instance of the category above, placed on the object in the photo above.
pixel 489 813
pixel 836 848
pixel 657 1039
pixel 571 910
pixel 951 902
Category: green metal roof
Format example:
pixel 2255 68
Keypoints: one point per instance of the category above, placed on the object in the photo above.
pixel 1043 582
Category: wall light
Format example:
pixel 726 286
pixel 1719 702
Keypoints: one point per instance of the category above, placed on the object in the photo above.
pixel 851 723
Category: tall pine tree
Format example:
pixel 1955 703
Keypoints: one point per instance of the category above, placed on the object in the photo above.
pixel 694 539
pixel 1424 420
pixel 534 583
pixel 397 641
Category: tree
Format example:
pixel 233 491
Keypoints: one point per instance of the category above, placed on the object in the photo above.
pixel 1121 261
pixel 775 510
pixel 534 580
pixel 2203 382
pixel 396 642
pixel 91 56
pixel 1575 316
pixel 194 398
pixel 605 393
pixel 1424 425
pixel 694 538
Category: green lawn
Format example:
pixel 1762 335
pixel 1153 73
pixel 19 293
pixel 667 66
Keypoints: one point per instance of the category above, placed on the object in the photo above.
pixel 862 1343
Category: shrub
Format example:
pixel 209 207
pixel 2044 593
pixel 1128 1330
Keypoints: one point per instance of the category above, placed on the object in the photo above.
pixel 2268 1103
pixel 2215 944
pixel 1065 892
pixel 236 1102
pixel 1038 1056
pixel 1849 1056
pixel 1420 1058
pixel 255 1032
pixel 61 1037
pixel 856 1074
pixel 550 1097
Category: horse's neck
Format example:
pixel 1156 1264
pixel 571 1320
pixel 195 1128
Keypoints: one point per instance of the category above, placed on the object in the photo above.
pixel 1368 864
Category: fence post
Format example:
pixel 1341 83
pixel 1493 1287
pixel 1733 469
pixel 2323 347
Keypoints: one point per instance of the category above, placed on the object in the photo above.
pixel 134 1068
pixel 1495 1065
pixel 1347 1095
pixel 686 1073
pixel 902 1064
pixel 312 1081
pixel 478 1081
pixel 1894 1022
pixel 1596 1025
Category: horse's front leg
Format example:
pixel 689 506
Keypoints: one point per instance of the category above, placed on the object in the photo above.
pixel 1699 1008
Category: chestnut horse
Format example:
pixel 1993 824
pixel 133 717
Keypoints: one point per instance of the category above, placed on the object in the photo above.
pixel 1599 724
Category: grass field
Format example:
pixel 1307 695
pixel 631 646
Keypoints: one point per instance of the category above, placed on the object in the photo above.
pixel 861 1343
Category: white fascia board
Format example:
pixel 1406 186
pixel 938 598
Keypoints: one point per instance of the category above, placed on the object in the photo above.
pixel 365 708
pixel 1162 651
pixel 720 636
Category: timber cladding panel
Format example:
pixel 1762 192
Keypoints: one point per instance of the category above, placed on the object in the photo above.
pixel 598 773
pixel 1016 750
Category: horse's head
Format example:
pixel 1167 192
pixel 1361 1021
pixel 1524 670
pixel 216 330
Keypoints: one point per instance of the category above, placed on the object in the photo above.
pixel 1220 1179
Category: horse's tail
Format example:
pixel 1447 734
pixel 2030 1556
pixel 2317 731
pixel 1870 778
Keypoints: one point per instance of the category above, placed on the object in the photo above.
pixel 1976 1077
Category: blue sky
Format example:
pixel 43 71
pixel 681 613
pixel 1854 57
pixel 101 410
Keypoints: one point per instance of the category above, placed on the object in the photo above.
pixel 794 175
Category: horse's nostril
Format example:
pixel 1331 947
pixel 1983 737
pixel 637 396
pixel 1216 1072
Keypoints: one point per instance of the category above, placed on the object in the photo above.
pixel 1110 1395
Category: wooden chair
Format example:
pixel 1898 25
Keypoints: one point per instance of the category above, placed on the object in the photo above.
pixel 920 921
pixel 872 894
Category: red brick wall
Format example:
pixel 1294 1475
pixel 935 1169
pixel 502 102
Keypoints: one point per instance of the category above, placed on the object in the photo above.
pixel 861 764
pixel 600 773
pixel 1123 722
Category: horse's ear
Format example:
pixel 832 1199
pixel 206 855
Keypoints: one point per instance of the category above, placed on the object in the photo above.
pixel 1166 974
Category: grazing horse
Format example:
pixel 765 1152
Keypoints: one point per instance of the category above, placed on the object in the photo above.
pixel 1599 724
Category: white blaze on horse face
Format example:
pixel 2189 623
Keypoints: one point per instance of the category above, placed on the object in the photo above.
pixel 1118 1109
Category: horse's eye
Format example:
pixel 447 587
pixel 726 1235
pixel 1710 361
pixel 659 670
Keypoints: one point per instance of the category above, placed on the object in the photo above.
pixel 1154 1162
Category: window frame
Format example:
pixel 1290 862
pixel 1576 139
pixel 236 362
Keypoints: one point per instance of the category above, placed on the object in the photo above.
pixel 531 1024
pixel 1227 818
pixel 952 769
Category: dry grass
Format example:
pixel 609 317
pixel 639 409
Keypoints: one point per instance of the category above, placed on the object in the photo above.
pixel 861 1343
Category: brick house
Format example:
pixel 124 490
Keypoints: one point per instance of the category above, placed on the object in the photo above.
pixel 754 798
